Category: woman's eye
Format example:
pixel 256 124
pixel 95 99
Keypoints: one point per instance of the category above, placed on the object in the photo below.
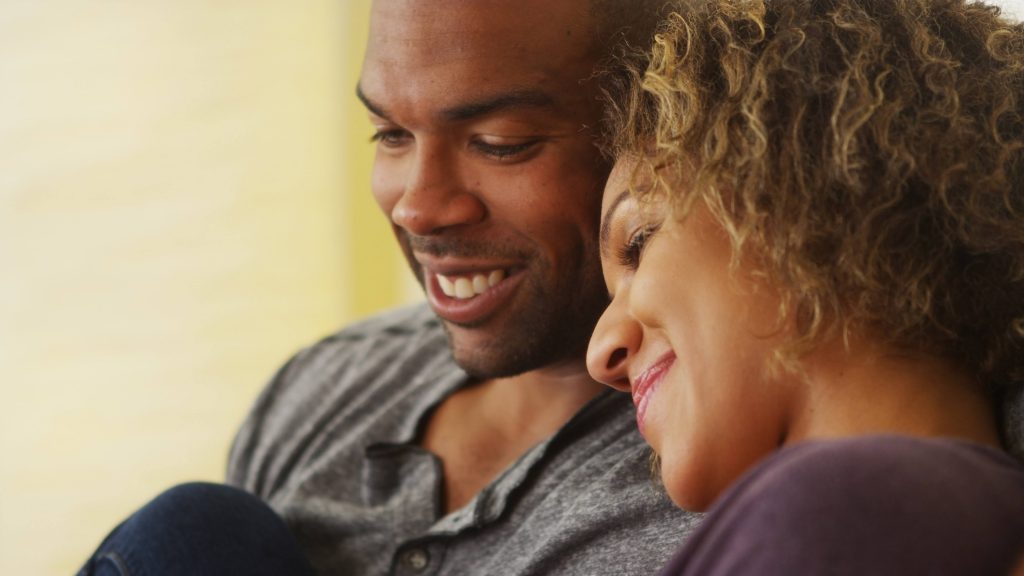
pixel 390 138
pixel 631 252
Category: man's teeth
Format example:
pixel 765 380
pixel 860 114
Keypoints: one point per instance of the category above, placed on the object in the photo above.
pixel 479 284
pixel 463 288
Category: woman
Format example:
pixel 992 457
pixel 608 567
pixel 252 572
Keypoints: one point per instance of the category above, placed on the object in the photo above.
pixel 814 242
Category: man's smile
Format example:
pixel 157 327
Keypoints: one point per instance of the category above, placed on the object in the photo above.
pixel 469 286
pixel 465 291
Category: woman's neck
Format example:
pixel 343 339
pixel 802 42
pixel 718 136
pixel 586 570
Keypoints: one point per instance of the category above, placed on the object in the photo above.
pixel 860 389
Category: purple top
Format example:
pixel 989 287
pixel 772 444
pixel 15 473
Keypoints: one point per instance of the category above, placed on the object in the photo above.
pixel 876 505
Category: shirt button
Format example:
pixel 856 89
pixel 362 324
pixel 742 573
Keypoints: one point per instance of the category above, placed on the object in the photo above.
pixel 417 559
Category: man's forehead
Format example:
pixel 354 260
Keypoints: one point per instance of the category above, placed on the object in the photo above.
pixel 460 29
pixel 479 12
pixel 471 55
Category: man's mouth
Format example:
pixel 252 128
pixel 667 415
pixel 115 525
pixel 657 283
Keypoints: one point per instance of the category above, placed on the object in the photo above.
pixel 464 287
pixel 467 294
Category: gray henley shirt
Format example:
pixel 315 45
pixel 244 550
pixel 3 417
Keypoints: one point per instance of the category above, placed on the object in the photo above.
pixel 331 445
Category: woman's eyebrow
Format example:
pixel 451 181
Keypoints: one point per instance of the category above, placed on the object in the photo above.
pixel 606 221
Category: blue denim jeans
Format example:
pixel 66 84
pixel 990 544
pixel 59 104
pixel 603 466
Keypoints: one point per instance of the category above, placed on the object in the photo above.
pixel 200 529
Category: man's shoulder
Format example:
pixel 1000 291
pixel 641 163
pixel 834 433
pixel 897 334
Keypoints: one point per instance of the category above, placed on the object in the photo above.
pixel 412 321
pixel 408 334
pixel 374 376
pixel 392 347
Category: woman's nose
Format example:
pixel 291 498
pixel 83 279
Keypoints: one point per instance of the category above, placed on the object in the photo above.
pixel 615 341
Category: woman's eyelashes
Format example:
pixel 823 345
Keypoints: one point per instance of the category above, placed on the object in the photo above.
pixel 632 250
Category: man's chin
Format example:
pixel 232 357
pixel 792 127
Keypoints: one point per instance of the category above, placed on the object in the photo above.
pixel 487 354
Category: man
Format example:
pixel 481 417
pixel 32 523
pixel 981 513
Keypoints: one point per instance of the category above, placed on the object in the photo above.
pixel 467 437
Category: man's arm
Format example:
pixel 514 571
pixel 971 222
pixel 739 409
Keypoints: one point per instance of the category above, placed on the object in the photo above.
pixel 247 458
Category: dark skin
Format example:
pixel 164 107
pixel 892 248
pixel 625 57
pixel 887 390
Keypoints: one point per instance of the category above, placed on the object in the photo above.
pixel 485 162
pixel 479 431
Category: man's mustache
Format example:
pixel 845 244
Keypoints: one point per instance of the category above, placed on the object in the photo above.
pixel 461 248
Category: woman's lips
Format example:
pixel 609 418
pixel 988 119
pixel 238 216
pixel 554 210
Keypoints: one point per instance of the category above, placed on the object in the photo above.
pixel 644 386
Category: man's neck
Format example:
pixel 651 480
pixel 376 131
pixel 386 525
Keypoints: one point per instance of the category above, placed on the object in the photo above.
pixel 481 430
pixel 538 403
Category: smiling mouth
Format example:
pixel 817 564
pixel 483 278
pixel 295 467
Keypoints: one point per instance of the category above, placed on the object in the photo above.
pixel 646 384
pixel 471 286
pixel 468 297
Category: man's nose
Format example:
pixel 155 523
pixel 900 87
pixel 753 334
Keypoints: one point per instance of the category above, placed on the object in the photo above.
pixel 437 195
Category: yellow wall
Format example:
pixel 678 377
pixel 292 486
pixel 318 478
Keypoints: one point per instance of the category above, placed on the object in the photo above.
pixel 183 202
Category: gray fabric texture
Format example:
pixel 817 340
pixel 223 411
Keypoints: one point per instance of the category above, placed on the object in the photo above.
pixel 331 445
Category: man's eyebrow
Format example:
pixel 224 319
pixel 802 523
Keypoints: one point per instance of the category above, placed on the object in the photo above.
pixel 370 105
pixel 606 222
pixel 527 98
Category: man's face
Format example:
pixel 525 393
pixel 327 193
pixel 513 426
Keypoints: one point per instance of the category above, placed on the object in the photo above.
pixel 485 118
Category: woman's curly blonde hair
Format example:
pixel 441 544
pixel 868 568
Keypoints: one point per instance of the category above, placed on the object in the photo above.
pixel 868 152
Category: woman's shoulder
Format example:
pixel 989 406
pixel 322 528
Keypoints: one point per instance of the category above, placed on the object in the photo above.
pixel 878 504
pixel 887 464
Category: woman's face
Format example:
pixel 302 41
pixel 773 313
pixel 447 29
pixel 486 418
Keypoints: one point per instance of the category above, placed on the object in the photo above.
pixel 690 339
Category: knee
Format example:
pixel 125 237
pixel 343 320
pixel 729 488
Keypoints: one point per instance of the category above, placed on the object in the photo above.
pixel 203 508
pixel 200 528
pixel 202 498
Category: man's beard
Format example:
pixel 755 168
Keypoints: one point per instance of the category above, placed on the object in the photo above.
pixel 552 331
pixel 555 328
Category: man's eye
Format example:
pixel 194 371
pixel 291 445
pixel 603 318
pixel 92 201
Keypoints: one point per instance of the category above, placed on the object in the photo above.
pixel 390 138
pixel 504 151
pixel 630 253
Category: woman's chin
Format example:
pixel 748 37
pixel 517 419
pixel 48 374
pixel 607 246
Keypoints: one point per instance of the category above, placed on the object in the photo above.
pixel 687 491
